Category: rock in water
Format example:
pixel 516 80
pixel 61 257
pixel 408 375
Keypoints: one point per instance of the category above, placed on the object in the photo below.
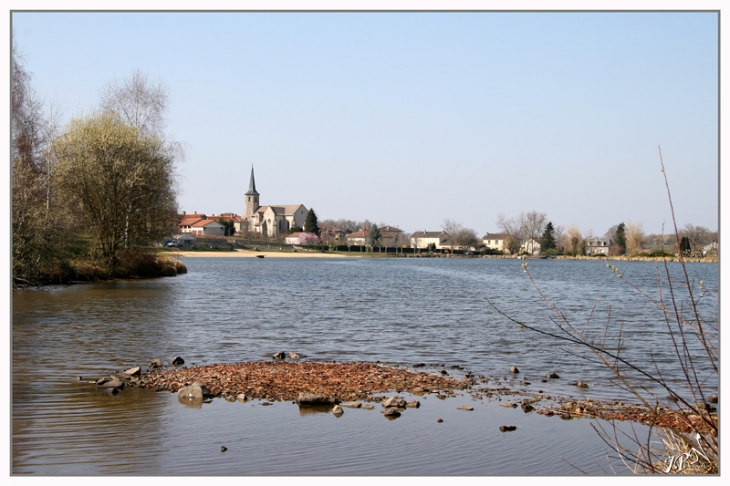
pixel 391 413
pixel 136 371
pixel 513 369
pixel 193 392
pixel 312 399
pixel 507 428
pixel 396 402
pixel 110 382
pixel 337 410
pixel 466 407
pixel 176 361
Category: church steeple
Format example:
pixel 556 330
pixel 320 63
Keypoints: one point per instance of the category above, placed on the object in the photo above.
pixel 252 197
pixel 252 185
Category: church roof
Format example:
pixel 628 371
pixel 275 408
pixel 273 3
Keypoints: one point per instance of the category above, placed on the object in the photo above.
pixel 281 209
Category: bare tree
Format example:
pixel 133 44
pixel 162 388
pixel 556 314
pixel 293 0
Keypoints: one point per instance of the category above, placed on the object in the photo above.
pixel 573 239
pixel 698 236
pixel 466 238
pixel 137 102
pixel 451 227
pixel 522 227
pixel 533 224
pixel 512 226
pixel 558 235
pixel 634 238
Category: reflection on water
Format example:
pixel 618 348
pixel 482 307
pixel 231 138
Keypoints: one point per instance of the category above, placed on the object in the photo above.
pixel 397 311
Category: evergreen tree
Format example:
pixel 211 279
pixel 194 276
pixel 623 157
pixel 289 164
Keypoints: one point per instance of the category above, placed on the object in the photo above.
pixel 374 236
pixel 229 228
pixel 684 246
pixel 620 240
pixel 310 224
pixel 548 238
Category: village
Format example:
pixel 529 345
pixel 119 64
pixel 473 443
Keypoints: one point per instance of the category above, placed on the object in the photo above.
pixel 285 225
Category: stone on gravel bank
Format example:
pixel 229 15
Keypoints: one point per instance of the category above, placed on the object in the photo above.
pixel 313 399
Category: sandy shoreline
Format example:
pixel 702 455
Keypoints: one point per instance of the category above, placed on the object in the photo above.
pixel 254 254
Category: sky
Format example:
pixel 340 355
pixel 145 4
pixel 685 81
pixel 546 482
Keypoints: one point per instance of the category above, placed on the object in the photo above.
pixel 411 118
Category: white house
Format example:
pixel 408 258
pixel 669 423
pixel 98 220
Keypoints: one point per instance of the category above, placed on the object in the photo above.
pixel 292 239
pixel 422 239
pixel 531 246
pixel 496 241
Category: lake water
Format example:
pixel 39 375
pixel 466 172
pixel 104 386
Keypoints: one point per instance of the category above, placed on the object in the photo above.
pixel 397 311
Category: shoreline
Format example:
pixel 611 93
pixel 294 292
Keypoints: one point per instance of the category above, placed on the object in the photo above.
pixel 255 254
pixel 239 253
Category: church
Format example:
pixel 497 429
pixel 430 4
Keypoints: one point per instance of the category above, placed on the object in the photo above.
pixel 271 221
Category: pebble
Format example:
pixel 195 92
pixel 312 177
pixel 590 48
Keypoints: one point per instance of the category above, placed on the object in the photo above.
pixel 507 428
pixel 440 420
pixel 465 407
pixel 224 448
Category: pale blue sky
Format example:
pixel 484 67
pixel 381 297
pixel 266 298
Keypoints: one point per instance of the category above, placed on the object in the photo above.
pixel 411 118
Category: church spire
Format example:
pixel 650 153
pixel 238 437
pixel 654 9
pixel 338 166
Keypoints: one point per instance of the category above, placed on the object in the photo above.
pixel 252 186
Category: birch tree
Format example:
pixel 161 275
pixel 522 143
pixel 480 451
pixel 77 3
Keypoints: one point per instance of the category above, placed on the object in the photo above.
pixel 138 102
pixel 38 224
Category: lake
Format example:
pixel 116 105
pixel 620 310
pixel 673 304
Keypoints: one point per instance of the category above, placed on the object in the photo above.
pixel 401 311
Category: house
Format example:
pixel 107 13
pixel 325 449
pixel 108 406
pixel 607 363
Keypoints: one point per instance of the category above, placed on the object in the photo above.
pixel 187 220
pixel 597 246
pixel 330 233
pixel 531 246
pixel 395 233
pixel 292 239
pixel 238 221
pixel 422 239
pixel 710 249
pixel 207 227
pixel 496 241
pixel 360 238
pixel 271 221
